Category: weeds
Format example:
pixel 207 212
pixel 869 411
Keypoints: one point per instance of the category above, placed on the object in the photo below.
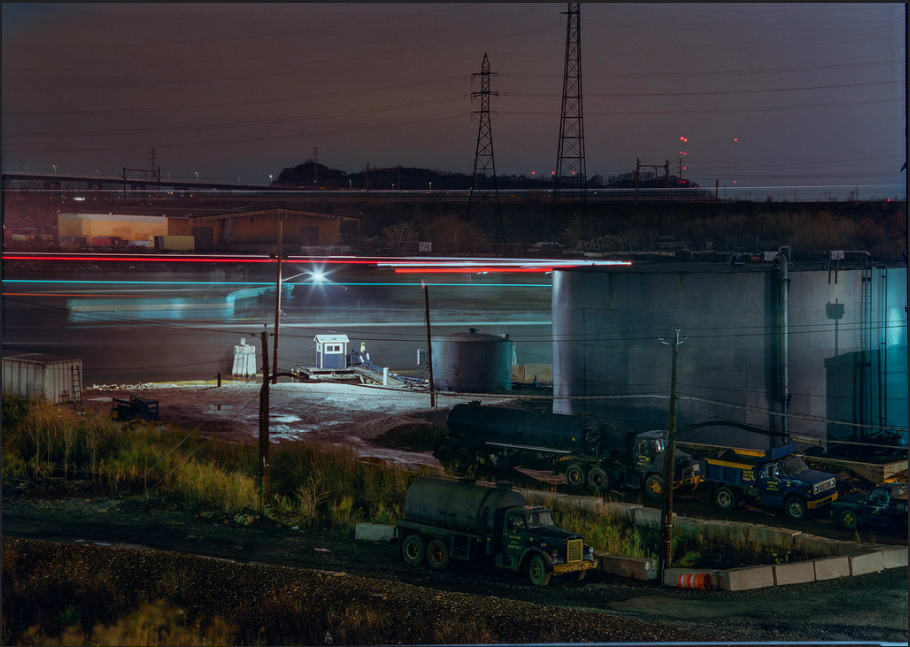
pixel 311 486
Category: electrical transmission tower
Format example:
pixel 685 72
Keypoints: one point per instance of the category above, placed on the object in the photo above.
pixel 570 177
pixel 484 162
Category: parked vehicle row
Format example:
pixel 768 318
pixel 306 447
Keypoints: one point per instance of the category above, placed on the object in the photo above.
pixel 592 458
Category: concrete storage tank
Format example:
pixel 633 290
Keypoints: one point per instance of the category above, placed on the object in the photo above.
pixel 472 362
pixel 819 344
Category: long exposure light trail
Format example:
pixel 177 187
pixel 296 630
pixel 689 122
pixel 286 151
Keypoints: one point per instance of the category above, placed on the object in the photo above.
pixel 271 283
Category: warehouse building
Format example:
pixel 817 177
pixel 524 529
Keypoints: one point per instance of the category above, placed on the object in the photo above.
pixel 109 229
pixel 257 231
pixel 824 343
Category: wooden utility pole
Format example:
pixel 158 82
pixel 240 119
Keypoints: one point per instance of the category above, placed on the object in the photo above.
pixel 665 554
pixel 264 422
pixel 426 299
pixel 277 300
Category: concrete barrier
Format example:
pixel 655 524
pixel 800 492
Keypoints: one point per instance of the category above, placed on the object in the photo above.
pixel 771 535
pixel 646 517
pixel 894 557
pixel 675 577
pixel 744 579
pixel 817 545
pixel 795 573
pixel 374 532
pixel 688 525
pixel 634 567
pixel 831 568
pixel 726 529
pixel 622 510
pixel 866 563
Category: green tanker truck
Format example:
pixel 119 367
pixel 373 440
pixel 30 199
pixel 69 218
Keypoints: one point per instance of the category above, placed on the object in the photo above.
pixel 446 519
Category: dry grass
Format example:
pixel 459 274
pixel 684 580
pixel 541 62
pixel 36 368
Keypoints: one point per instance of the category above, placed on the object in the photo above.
pixel 311 486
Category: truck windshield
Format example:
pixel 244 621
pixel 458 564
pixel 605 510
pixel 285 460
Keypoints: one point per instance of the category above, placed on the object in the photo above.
pixel 538 519
pixel 793 465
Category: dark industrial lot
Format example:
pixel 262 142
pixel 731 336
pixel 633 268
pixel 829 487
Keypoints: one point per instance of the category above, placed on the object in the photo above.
pixel 394 324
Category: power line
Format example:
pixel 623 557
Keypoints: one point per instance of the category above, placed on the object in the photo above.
pixel 613 95
pixel 705 111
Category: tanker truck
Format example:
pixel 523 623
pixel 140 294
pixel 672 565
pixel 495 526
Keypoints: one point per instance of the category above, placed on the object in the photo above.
pixel 589 456
pixel 447 519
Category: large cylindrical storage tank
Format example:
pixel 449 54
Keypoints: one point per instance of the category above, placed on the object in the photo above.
pixel 845 356
pixel 472 362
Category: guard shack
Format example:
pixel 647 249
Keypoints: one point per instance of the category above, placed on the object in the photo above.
pixel 331 351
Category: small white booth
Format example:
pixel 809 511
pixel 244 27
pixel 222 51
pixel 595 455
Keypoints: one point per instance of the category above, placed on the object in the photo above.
pixel 331 351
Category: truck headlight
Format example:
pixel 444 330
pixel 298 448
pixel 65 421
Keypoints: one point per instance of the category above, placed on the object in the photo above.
pixel 695 467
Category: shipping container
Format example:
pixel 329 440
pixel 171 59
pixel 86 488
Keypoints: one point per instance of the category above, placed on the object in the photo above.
pixel 37 376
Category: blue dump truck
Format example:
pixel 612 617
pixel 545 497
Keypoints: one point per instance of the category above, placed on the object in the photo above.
pixel 591 456
pixel 446 519
pixel 775 477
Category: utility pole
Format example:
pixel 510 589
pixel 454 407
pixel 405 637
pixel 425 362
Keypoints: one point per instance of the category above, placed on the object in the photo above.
pixel 315 165
pixel 277 299
pixel 483 153
pixel 264 422
pixel 637 177
pixel 426 300
pixel 665 554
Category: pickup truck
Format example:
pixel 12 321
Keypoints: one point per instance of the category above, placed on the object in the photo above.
pixel 774 477
pixel 886 505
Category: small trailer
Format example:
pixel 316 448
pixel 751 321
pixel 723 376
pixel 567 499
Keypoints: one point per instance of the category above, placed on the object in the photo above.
pixel 132 408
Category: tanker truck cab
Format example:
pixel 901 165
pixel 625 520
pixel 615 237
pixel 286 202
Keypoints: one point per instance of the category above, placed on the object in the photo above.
pixel 648 460
pixel 447 520
pixel 532 542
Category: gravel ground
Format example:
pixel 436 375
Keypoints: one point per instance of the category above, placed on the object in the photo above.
pixel 601 608
pixel 329 413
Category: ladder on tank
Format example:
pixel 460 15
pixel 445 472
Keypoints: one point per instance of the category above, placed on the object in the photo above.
pixel 77 387
pixel 865 359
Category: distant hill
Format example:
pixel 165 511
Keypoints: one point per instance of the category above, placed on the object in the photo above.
pixel 310 175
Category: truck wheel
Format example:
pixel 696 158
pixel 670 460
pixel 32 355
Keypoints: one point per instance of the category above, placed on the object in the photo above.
pixel 538 571
pixel 725 498
pixel 445 455
pixel 598 479
pixel 654 486
pixel 795 507
pixel 847 519
pixel 412 549
pixel 464 457
pixel 575 475
pixel 437 555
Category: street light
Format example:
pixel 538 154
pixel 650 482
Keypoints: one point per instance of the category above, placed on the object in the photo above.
pixel 430 184
pixel 55 168
pixel 197 175
pixel 349 183
pixel 270 178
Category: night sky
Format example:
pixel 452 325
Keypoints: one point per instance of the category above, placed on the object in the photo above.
pixel 814 92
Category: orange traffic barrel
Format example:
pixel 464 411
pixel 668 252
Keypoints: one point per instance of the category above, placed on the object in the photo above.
pixel 700 581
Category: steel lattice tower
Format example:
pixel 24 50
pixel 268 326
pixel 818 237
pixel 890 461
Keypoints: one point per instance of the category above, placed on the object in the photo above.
pixel 484 162
pixel 571 175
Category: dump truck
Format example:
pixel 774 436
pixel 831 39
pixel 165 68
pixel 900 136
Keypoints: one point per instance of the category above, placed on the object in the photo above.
pixel 774 477
pixel 590 456
pixel 448 519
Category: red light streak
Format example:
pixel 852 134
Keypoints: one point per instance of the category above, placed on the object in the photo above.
pixel 468 270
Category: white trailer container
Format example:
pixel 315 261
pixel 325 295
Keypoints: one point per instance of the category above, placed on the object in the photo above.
pixel 37 376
